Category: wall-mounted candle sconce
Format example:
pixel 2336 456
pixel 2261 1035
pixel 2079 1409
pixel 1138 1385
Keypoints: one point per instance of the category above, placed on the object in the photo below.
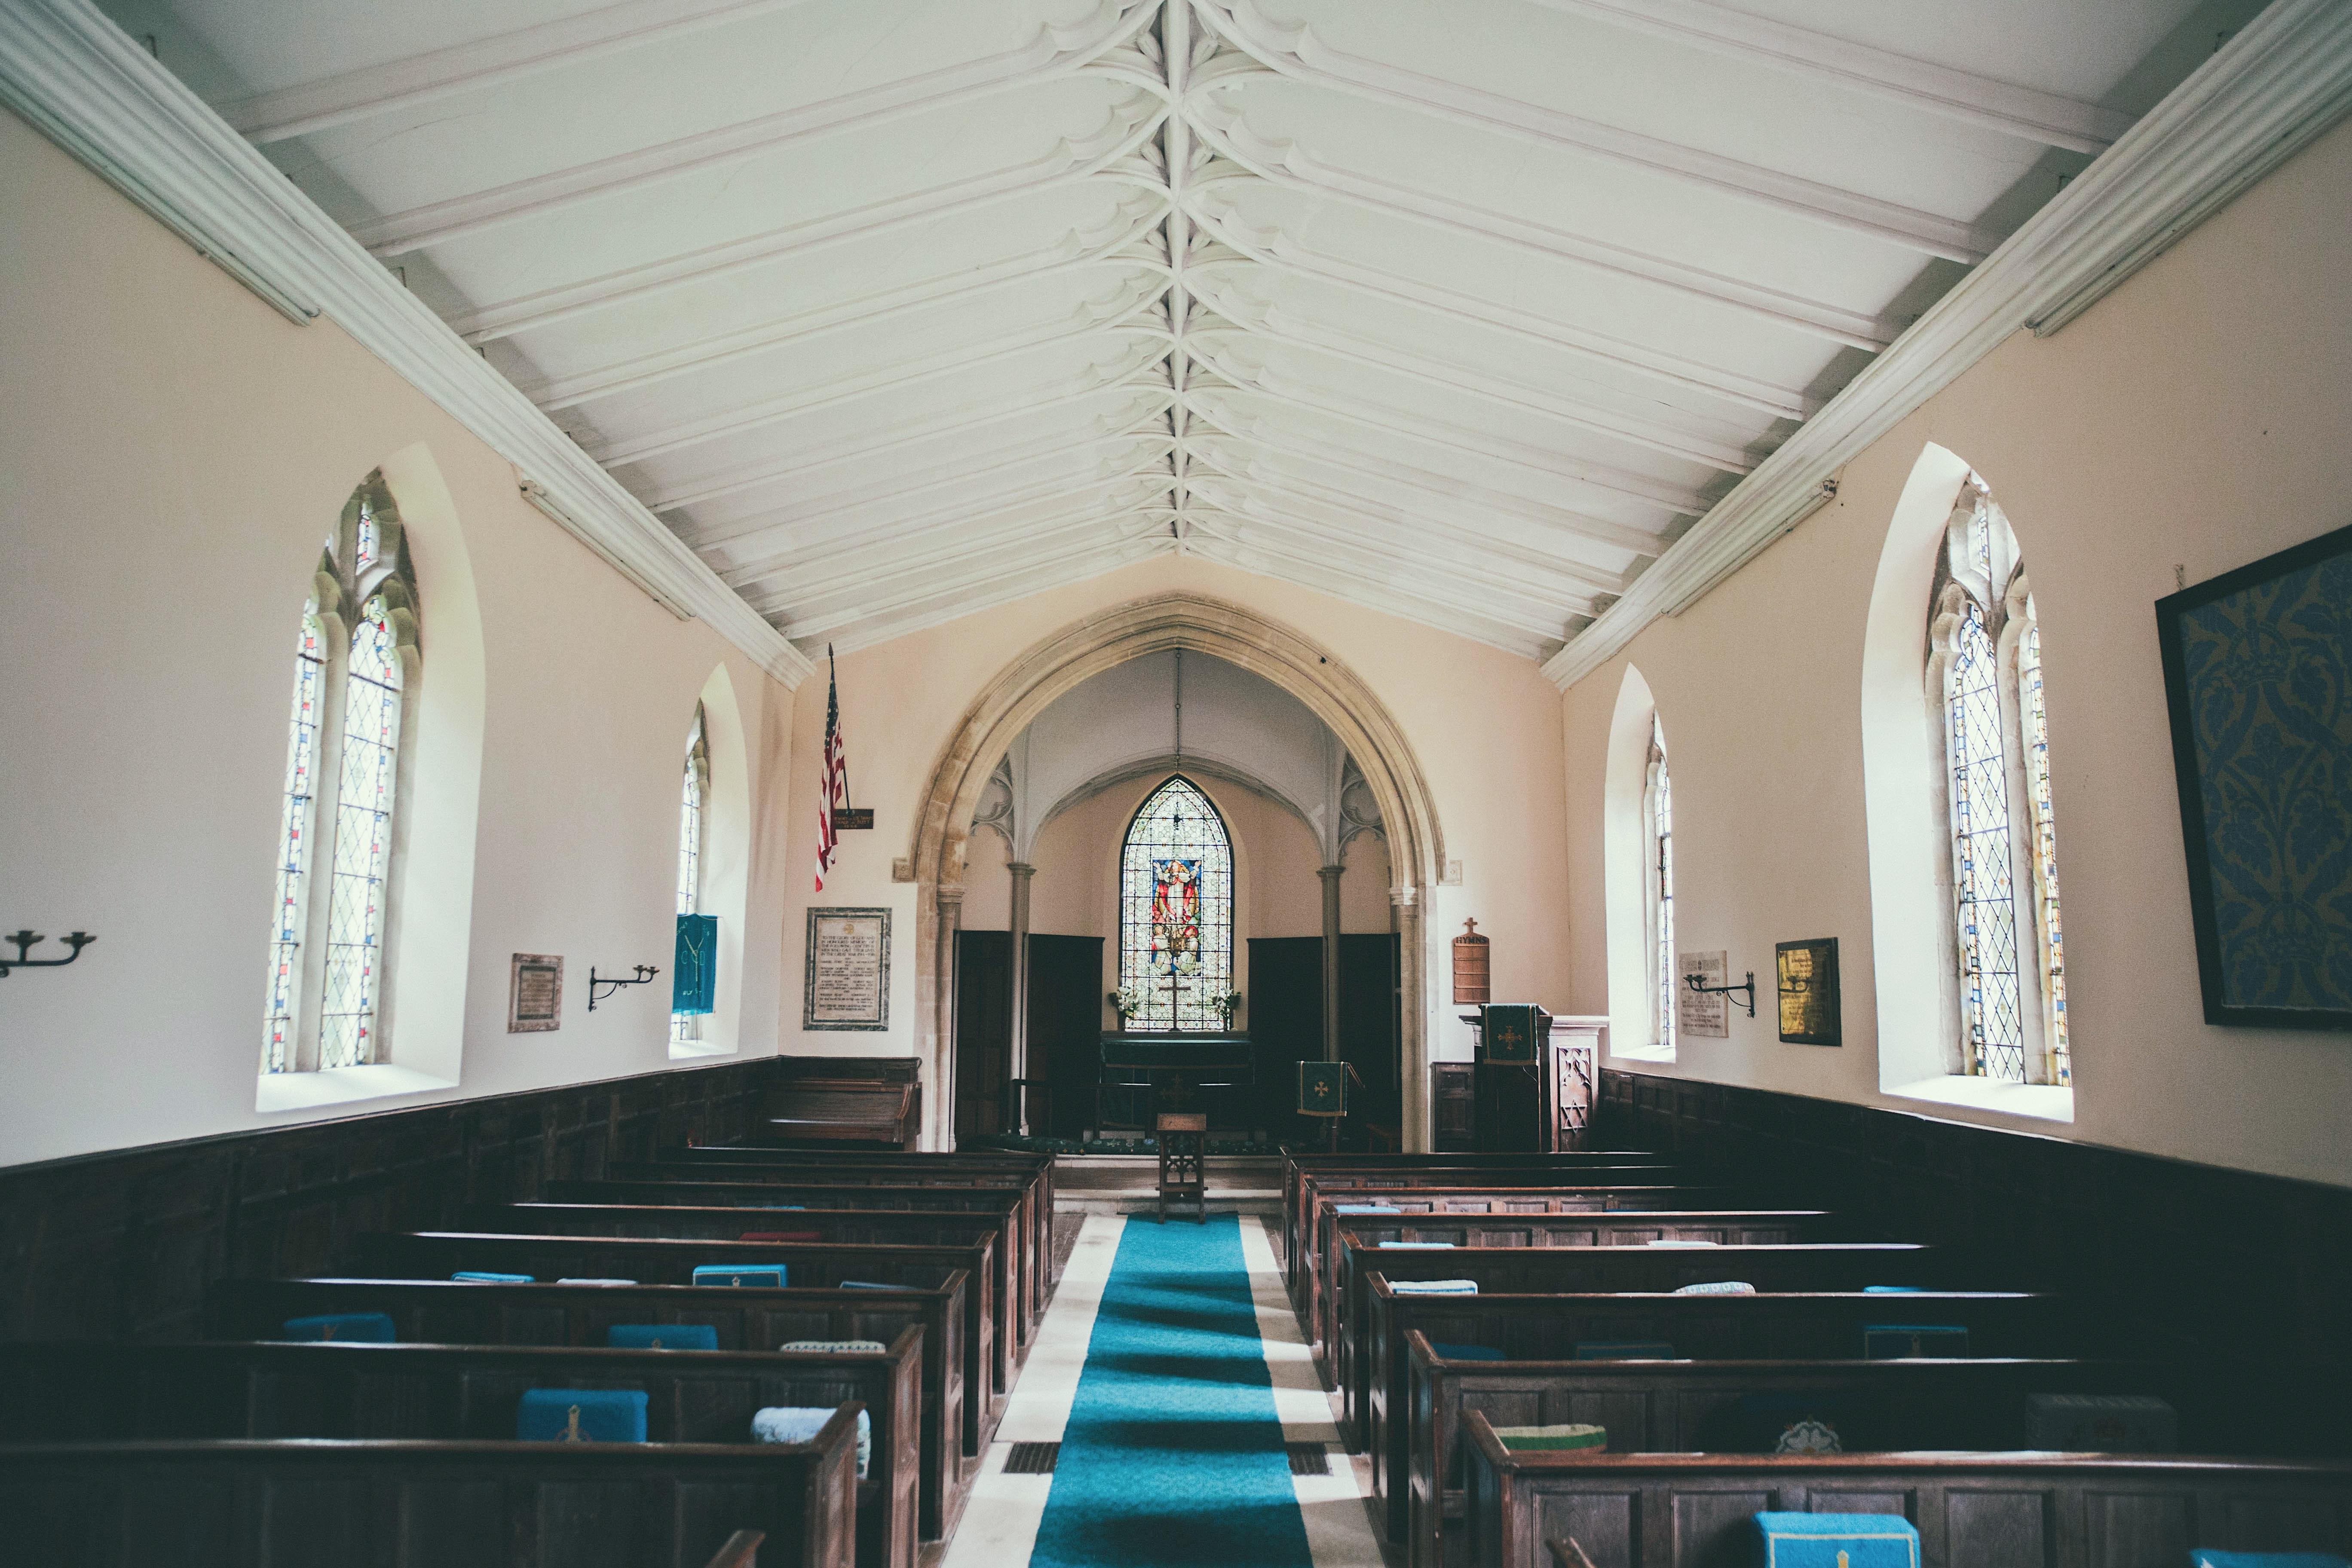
pixel 1698 983
pixel 612 983
pixel 26 939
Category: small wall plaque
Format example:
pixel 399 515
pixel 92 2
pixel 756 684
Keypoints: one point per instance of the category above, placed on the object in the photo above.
pixel 535 994
pixel 845 817
pixel 848 970
pixel 1807 975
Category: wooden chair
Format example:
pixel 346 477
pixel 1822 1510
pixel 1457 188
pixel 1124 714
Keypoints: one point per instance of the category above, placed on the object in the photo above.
pixel 1183 1154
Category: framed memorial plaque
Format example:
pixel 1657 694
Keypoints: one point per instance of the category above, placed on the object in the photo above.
pixel 1705 1014
pixel 1807 975
pixel 848 970
pixel 535 994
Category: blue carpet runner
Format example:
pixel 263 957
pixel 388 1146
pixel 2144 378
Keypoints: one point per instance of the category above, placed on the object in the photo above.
pixel 1172 1454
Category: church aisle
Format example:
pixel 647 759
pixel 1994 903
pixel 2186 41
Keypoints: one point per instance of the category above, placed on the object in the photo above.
pixel 1170 1370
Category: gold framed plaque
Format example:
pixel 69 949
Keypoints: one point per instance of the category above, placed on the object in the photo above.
pixel 847 984
pixel 1807 975
pixel 535 994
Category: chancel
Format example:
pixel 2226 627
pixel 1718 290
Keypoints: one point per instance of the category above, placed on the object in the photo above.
pixel 1379 569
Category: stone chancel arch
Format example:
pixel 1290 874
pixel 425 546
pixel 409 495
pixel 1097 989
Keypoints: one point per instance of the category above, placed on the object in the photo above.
pixel 1027 687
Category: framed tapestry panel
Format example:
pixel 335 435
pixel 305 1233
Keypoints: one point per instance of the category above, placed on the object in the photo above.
pixel 2258 677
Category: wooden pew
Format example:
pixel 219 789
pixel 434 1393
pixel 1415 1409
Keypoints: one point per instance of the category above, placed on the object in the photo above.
pixel 86 1391
pixel 844 1109
pixel 1972 1510
pixel 1790 1326
pixel 1340 1170
pixel 1561 1220
pixel 745 1319
pixel 436 1255
pixel 1318 1222
pixel 848 1227
pixel 1599 1270
pixel 395 1504
pixel 1882 1405
pixel 1005 1201
pixel 1035 1172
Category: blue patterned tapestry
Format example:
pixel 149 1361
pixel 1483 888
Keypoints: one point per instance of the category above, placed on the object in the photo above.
pixel 2268 678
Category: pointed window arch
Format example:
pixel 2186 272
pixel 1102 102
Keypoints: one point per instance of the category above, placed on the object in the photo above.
pixel 1985 675
pixel 1176 910
pixel 356 665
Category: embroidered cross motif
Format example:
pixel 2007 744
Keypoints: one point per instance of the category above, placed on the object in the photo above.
pixel 326 1331
pixel 570 1433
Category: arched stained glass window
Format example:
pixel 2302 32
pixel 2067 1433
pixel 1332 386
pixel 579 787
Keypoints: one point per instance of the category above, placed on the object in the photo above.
pixel 294 838
pixel 1661 869
pixel 1996 734
pixel 685 1027
pixel 1176 910
pixel 354 680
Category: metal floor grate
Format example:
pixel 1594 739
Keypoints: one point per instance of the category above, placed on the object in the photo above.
pixel 1309 1458
pixel 1033 1458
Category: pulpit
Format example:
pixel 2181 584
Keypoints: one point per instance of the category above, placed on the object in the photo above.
pixel 1143 1075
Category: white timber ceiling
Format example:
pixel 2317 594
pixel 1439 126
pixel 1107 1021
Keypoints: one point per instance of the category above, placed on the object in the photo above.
pixel 893 310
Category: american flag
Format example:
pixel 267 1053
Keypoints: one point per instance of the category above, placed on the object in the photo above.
pixel 834 795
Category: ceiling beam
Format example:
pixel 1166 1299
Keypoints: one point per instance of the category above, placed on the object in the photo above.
pixel 1685 446
pixel 416 79
pixel 1019 581
pixel 1143 399
pixel 1068 164
pixel 1287 163
pixel 1051 53
pixel 2024 112
pixel 870 574
pixel 884 305
pixel 1270 385
pixel 957 361
pixel 1548 523
pixel 962 477
pixel 1294 52
pixel 1213 206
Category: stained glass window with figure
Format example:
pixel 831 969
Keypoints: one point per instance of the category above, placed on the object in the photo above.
pixel 1176 910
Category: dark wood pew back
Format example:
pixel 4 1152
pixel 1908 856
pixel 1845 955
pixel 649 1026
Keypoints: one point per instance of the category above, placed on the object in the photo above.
pixel 85 1392
pixel 1972 1510
pixel 445 1312
pixel 652 1260
pixel 1601 1271
pixel 395 1504
pixel 852 1227
pixel 1005 1201
pixel 1875 1407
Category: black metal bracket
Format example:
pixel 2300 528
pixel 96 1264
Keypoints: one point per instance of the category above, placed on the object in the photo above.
pixel 612 983
pixel 26 939
pixel 1694 983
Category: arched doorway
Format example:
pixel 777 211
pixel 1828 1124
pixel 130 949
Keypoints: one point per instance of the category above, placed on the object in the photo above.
pixel 1031 683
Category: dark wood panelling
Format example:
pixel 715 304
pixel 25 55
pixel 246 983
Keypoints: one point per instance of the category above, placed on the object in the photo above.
pixel 1285 1027
pixel 124 1244
pixel 983 1031
pixel 2161 1254
pixel 1066 988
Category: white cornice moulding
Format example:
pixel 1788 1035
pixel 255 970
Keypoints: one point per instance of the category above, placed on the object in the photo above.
pixel 2266 94
pixel 83 83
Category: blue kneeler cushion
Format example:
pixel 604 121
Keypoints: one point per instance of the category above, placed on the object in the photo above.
pixel 2206 1557
pixel 1836 1541
pixel 662 1337
pixel 580 1416
pixel 362 1328
pixel 771 1275
pixel 1465 1353
pixel 483 1277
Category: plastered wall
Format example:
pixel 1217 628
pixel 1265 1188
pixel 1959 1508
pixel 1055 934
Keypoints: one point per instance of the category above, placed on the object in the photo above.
pixel 2198 418
pixel 172 454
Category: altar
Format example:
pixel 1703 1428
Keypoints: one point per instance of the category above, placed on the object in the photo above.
pixel 1143 1074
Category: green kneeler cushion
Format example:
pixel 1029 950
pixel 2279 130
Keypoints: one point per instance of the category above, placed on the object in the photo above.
pixel 580 1416
pixel 662 1337
pixel 1836 1541
pixel 1465 1353
pixel 1553 1439
pixel 362 1327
